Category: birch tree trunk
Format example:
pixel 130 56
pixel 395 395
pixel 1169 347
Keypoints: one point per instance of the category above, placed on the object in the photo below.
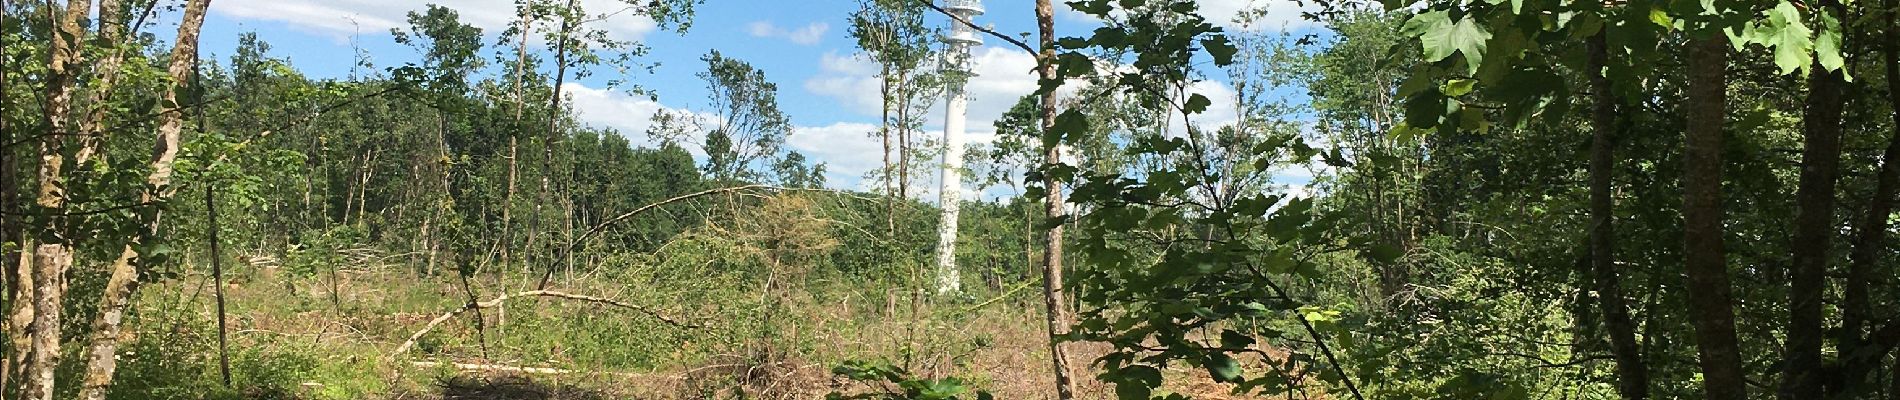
pixel 100 360
pixel 111 33
pixel 52 257
pixel 19 343
pixel 1052 293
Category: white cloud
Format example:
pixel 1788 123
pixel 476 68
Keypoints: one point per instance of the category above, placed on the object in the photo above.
pixel 1278 15
pixel 629 114
pixel 342 18
pixel 808 35
pixel 1222 111
pixel 1002 77
pixel 846 148
pixel 850 80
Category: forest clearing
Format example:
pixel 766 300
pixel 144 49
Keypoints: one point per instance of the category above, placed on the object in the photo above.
pixel 949 199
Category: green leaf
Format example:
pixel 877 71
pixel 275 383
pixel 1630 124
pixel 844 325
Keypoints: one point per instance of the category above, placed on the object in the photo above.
pixel 1661 18
pixel 1440 37
pixel 1785 33
pixel 1072 64
pixel 1196 104
pixel 1093 7
pixel 1142 374
pixel 1130 391
pixel 1222 50
pixel 1069 123
pixel 1458 87
pixel 1223 368
pixel 1827 45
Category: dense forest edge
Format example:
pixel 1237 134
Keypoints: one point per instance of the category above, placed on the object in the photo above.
pixel 1510 199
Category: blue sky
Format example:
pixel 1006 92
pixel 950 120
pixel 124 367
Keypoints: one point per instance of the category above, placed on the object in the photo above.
pixel 802 45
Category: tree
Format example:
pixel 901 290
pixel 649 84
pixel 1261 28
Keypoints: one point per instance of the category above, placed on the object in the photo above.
pixel 1054 297
pixel 893 34
pixel 751 130
pixel 1632 374
pixel 53 256
pixel 1814 226
pixel 143 249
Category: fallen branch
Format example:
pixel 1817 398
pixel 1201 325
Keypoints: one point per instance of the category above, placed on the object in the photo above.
pixel 497 301
pixel 493 368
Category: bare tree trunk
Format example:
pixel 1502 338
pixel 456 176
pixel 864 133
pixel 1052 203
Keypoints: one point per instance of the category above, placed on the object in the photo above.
pixel 552 135
pixel 20 317
pixel 53 257
pixel 1631 375
pixel 504 246
pixel 903 138
pixel 367 172
pixel 50 261
pixel 11 281
pixel 1893 379
pixel 217 282
pixel 349 194
pixel 1813 226
pixel 1707 267
pixel 111 32
pixel 101 354
pixel 884 133
pixel 1869 239
pixel 1054 297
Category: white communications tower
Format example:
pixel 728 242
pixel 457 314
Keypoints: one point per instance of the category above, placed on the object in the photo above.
pixel 950 194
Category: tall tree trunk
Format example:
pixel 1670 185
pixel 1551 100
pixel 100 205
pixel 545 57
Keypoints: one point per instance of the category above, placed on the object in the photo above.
pixel 217 282
pixel 20 316
pixel 349 191
pixel 505 245
pixel 1813 233
pixel 11 281
pixel 552 135
pixel 1704 261
pixel 1893 379
pixel 1870 237
pixel 884 133
pixel 1053 295
pixel 1632 376
pixel 52 257
pixel 111 33
pixel 101 358
pixel 903 137
pixel 49 289
pixel 366 172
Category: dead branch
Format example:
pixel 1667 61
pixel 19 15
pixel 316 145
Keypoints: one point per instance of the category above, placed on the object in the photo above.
pixel 493 368
pixel 497 301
